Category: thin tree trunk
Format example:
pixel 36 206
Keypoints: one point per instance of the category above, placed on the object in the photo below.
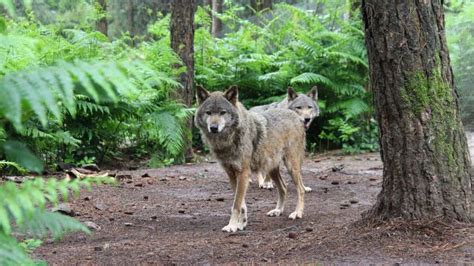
pixel 208 6
pixel 130 21
pixel 101 24
pixel 217 8
pixel 427 167
pixel 182 42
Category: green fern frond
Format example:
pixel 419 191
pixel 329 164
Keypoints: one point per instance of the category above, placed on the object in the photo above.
pixel 41 223
pixel 34 132
pixel 351 107
pixel 4 164
pixel 350 58
pixel 311 78
pixel 11 252
pixel 90 108
pixel 169 123
pixel 20 202
pixel 42 89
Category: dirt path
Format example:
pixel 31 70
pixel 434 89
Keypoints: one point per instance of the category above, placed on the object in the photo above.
pixel 174 216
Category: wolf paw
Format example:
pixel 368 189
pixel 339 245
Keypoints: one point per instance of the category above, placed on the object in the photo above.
pixel 274 212
pixel 296 215
pixel 307 189
pixel 266 185
pixel 231 228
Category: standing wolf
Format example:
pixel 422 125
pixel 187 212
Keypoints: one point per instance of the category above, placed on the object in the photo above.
pixel 305 105
pixel 245 142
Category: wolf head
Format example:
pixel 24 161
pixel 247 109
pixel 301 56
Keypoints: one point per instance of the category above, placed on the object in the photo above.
pixel 305 105
pixel 217 111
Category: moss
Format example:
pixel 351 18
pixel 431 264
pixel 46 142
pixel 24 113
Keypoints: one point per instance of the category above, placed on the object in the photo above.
pixel 431 99
pixel 417 89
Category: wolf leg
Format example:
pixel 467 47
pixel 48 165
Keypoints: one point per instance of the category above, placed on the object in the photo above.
pixel 294 168
pixel 264 183
pixel 238 218
pixel 280 184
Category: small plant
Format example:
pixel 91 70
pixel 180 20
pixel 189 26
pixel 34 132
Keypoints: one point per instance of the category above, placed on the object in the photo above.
pixel 23 214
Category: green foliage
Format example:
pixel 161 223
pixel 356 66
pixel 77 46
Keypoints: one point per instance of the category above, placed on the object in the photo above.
pixel 460 36
pixel 23 214
pixel 70 94
pixel 290 46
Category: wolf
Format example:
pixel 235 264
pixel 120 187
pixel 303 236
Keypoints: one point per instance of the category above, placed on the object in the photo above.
pixel 305 105
pixel 244 142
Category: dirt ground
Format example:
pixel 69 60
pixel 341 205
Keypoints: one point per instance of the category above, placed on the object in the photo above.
pixel 174 216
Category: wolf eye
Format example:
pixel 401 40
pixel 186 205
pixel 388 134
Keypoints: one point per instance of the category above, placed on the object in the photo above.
pixel 208 113
pixel 223 112
pixel 309 107
pixel 298 107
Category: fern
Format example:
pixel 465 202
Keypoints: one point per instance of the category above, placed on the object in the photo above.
pixel 22 212
pixel 11 253
pixel 171 131
pixel 41 223
pixel 311 78
pixel 42 89
pixel 8 164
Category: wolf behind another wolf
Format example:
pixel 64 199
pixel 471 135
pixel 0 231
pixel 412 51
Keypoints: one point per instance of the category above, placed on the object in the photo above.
pixel 245 142
pixel 305 105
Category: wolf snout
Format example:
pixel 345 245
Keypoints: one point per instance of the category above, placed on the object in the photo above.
pixel 214 129
pixel 307 120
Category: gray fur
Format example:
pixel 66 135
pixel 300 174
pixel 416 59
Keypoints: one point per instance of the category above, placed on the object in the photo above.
pixel 252 142
pixel 305 105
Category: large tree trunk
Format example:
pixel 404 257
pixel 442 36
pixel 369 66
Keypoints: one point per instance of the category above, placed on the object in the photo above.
pixel 101 24
pixel 426 171
pixel 217 8
pixel 182 42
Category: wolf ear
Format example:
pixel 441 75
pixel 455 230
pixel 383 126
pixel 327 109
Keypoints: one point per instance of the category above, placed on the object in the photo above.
pixel 201 94
pixel 313 93
pixel 291 94
pixel 232 94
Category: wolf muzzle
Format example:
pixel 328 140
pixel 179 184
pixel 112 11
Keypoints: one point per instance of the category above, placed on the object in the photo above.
pixel 214 129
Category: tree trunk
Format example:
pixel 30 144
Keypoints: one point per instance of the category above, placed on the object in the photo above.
pixel 426 171
pixel 130 21
pixel 182 42
pixel 207 4
pixel 101 24
pixel 217 8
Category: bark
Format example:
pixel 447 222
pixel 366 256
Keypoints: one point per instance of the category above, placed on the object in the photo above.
pixel 207 4
pixel 182 42
pixel 217 8
pixel 130 21
pixel 101 24
pixel 427 167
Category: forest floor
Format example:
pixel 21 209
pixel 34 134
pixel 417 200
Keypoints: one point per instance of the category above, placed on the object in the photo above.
pixel 174 215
